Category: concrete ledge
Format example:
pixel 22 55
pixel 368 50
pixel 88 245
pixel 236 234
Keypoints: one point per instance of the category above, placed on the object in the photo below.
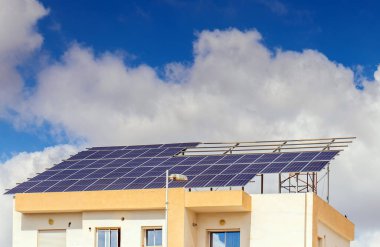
pixel 147 199
pixel 55 202
pixel 333 219
pixel 218 201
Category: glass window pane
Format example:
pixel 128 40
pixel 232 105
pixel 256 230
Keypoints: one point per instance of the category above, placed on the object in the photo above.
pixel 233 239
pixel 218 239
pixel 114 238
pixel 149 237
pixel 158 237
pixel 107 238
pixel 101 238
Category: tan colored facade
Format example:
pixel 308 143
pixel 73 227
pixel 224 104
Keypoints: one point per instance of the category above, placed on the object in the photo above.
pixel 193 214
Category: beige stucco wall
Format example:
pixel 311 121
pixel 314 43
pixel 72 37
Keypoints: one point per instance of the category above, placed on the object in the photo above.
pixel 207 222
pixel 330 238
pixel 269 220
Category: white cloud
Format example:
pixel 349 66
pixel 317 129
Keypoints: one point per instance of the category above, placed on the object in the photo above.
pixel 18 169
pixel 18 38
pixel 236 89
pixel 377 74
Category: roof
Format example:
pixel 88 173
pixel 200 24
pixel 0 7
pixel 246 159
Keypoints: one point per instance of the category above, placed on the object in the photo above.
pixel 205 164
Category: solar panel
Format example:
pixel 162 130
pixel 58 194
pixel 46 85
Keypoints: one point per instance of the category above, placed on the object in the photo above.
pixel 267 158
pixel 315 166
pixel 295 167
pixel 274 168
pixel 144 166
pixel 327 155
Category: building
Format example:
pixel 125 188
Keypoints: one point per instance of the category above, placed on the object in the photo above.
pixel 116 196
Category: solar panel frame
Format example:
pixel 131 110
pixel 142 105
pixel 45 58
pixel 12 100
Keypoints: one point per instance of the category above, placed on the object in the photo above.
pixel 83 170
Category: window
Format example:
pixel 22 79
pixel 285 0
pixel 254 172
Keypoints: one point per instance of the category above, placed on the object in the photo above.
pixel 108 237
pixel 225 239
pixel 153 237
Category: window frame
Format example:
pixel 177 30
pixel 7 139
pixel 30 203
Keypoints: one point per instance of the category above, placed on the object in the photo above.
pixel 144 231
pixel 210 231
pixel 109 229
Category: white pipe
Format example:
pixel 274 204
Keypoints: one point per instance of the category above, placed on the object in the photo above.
pixel 166 208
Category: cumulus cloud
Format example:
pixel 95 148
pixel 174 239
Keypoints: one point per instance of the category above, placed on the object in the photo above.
pixel 18 38
pixel 18 169
pixel 377 74
pixel 235 89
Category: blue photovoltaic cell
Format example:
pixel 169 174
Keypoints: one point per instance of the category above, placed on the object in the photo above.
pixel 265 158
pixel 249 158
pixel 157 171
pixel 174 161
pixel 308 156
pixel 235 168
pixel 144 166
pixel 100 173
pixel 295 167
pixel 80 164
pixel 255 168
pixel 81 174
pixel 315 166
pixel 158 182
pixel 82 155
pixel 178 169
pixel 134 153
pixel 137 172
pixel 154 162
pixel 274 168
pixel 327 155
pixel 229 159
pixel 136 162
pixel 209 160
pixel 195 170
pixel 215 169
pixel 192 160
pixel 64 165
pixel 99 154
pixel 244 176
pixel 119 172
pixel 170 152
pixel 61 186
pixel 63 174
pixel 200 181
pixel 220 180
pixel 117 163
pixel 99 163
pixel 117 154
pixel 152 152
pixel 287 157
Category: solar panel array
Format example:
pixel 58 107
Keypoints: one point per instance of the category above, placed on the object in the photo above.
pixel 142 167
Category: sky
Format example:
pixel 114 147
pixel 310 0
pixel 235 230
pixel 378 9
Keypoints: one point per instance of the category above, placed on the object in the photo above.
pixel 75 74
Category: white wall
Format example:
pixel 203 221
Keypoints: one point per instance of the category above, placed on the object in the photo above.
pixel 26 226
pixel 82 230
pixel 282 220
pixel 131 227
pixel 330 238
pixel 276 220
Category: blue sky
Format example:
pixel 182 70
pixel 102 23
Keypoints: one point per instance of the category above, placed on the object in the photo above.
pixel 160 32
pixel 87 72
